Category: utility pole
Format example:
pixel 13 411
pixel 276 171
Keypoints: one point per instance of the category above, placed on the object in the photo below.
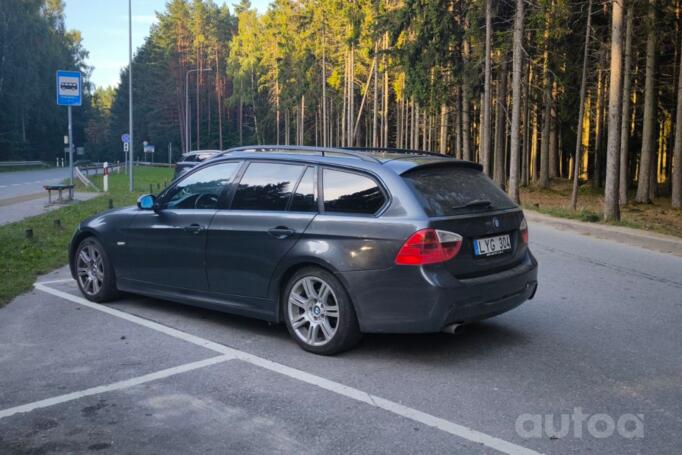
pixel 130 94
pixel 188 140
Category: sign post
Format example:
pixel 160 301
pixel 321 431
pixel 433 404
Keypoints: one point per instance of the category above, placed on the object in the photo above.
pixel 69 93
pixel 149 148
pixel 125 138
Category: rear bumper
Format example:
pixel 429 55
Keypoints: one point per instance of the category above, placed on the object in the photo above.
pixel 406 299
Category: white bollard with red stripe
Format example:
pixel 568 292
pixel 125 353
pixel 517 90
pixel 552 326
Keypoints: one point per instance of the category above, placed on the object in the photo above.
pixel 106 176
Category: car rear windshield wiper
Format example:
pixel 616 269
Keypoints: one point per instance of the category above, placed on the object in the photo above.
pixel 482 203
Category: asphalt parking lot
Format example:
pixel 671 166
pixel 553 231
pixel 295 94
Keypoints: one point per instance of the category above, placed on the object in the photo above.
pixel 140 375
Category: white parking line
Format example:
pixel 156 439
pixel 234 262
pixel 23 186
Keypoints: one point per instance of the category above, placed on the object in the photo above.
pixel 115 386
pixel 188 337
pixel 350 392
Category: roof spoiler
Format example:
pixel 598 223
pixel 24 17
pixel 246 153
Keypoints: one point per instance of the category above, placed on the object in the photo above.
pixel 444 163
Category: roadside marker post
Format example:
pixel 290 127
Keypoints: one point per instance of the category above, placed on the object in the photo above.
pixel 69 93
pixel 105 179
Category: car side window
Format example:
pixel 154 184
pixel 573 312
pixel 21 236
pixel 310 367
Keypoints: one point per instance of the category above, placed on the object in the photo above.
pixel 348 192
pixel 304 199
pixel 266 186
pixel 201 189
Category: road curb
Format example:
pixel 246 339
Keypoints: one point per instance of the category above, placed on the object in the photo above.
pixel 648 240
pixel 21 198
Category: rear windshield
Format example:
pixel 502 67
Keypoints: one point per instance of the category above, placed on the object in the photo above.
pixel 446 191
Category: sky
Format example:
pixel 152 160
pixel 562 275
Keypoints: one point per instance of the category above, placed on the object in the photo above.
pixel 104 28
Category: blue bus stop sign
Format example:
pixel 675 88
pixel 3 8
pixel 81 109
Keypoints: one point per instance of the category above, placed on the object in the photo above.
pixel 69 88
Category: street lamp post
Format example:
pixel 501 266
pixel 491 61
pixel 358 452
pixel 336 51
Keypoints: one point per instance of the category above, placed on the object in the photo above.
pixel 188 141
pixel 130 95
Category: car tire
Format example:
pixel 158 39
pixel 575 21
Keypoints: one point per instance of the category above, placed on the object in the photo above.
pixel 94 272
pixel 318 312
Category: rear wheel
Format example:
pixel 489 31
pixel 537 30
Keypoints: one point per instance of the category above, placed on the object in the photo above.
pixel 94 272
pixel 318 312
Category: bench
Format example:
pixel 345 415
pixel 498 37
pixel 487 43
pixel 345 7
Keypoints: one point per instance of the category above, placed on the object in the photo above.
pixel 60 189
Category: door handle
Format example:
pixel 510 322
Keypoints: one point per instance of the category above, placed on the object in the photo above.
pixel 281 232
pixel 193 228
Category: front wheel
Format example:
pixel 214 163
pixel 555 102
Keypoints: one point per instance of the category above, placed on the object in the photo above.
pixel 318 313
pixel 94 272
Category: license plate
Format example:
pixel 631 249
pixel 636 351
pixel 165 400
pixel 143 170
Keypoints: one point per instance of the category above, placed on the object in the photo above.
pixel 490 246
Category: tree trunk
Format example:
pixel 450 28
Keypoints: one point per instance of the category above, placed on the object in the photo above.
pixel 277 109
pixel 443 136
pixel 581 110
pixel 547 102
pixel 351 97
pixel 344 113
pixel 198 79
pixel 302 139
pixel 611 206
pixel 240 121
pixel 286 126
pixel 599 122
pixel 517 68
pixel 219 95
pixel 386 97
pixel 466 99
pixel 625 115
pixel 646 158
pixel 500 124
pixel 487 96
pixel 375 118
pixel 325 142
pixel 527 120
pixel 362 103
pixel 553 139
pixel 677 152
pixel 544 149
pixel 458 124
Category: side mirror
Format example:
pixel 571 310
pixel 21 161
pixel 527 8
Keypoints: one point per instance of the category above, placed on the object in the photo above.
pixel 146 202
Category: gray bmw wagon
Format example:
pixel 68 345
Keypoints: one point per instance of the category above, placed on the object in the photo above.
pixel 333 242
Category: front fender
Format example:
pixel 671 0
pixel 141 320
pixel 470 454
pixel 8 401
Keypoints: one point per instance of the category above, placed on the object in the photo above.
pixel 109 228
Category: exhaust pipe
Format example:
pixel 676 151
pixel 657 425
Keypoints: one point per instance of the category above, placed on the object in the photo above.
pixel 453 328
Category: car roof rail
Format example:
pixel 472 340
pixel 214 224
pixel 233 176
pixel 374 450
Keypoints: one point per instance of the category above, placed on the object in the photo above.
pixel 300 148
pixel 397 150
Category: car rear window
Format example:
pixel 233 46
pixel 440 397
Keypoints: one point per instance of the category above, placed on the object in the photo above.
pixel 452 190
pixel 348 192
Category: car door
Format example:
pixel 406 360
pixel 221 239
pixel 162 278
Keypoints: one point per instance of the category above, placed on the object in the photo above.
pixel 166 247
pixel 272 205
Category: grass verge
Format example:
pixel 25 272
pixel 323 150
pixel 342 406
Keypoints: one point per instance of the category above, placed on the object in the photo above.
pixel 555 201
pixel 22 260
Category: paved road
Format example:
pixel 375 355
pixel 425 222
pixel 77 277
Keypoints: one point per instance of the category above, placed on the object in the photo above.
pixel 19 183
pixel 602 336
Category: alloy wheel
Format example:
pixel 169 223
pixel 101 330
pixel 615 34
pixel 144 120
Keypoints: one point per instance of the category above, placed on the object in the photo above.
pixel 90 269
pixel 313 311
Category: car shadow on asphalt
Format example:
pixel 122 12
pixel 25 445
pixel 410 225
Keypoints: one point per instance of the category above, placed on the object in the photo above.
pixel 472 341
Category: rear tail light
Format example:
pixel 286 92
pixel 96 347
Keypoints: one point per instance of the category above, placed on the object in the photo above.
pixel 524 230
pixel 429 246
